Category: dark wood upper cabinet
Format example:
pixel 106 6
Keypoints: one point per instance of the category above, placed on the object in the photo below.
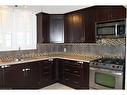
pixel 57 28
pixel 89 25
pixel 73 27
pixel 43 28
pixel 77 26
pixel 118 12
pixel 50 28
pixel 109 13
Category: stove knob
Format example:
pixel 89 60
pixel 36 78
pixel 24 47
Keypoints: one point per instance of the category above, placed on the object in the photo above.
pixel 96 63
pixel 113 66
pixel 117 66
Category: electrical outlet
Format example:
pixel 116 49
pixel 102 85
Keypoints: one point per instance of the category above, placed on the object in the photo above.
pixel 65 49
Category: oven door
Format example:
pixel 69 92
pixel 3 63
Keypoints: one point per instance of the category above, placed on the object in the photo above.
pixel 105 79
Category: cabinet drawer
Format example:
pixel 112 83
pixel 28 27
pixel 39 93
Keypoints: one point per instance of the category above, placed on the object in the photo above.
pixel 73 63
pixel 47 67
pixel 73 70
pixel 72 79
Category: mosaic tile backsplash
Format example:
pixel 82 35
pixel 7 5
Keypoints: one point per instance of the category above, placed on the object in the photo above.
pixel 103 47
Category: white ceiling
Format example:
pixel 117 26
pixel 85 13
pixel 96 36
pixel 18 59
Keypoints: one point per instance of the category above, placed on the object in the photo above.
pixel 49 9
pixel 55 9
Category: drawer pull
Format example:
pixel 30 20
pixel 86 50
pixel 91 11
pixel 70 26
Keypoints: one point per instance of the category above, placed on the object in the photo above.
pixel 46 67
pixel 46 73
pixel 75 71
pixel 23 70
pixel 75 82
pixel 66 79
pixel 2 66
pixel 80 62
pixel 67 70
pixel 6 66
pixel 27 69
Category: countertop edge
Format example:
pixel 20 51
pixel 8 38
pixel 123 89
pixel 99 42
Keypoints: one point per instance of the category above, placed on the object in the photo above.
pixel 39 59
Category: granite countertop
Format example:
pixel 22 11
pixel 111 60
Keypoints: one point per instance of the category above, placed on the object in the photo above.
pixel 82 58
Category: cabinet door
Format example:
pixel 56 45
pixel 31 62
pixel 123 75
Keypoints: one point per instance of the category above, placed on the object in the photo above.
pixel 85 76
pixel 32 75
pixel 14 76
pixel 118 12
pixel 102 13
pixel 107 13
pixel 60 70
pixel 73 26
pixel 89 19
pixel 56 28
pixel 45 73
pixel 68 33
pixel 43 28
pixel 1 77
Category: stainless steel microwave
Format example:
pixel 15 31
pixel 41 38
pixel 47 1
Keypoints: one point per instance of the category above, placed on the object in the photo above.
pixel 112 29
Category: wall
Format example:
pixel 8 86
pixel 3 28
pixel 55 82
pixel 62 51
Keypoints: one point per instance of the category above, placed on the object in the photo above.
pixel 105 47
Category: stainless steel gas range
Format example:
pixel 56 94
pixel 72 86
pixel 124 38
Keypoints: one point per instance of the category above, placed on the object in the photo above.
pixel 106 73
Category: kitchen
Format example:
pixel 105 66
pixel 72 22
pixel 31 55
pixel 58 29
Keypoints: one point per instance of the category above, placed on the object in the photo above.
pixel 82 48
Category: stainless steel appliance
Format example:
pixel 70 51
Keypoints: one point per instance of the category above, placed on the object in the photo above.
pixel 111 29
pixel 106 73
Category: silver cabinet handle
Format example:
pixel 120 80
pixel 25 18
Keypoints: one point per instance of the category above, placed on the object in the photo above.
pixel 23 70
pixel 2 66
pixel 50 59
pixel 6 66
pixel 81 62
pixel 27 69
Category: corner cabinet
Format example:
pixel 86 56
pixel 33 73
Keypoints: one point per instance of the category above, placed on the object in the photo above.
pixel 73 27
pixel 79 26
pixel 43 28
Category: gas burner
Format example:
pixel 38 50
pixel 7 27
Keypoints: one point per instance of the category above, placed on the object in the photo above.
pixel 108 63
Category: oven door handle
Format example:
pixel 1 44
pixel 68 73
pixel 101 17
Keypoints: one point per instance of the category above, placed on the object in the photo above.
pixel 93 68
pixel 111 71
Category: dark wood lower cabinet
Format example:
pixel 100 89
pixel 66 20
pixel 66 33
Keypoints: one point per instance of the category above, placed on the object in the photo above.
pixel 1 77
pixel 13 77
pixel 46 73
pixel 21 76
pixel 76 75
pixel 38 74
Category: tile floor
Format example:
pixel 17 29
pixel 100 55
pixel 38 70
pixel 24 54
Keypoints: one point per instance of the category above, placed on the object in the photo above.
pixel 57 86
